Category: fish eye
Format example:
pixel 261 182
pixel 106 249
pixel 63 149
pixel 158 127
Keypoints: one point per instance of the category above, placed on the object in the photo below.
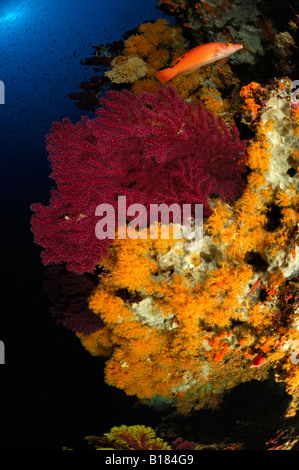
pixel 228 44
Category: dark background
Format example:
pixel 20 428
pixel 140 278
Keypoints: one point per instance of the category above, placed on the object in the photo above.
pixel 52 391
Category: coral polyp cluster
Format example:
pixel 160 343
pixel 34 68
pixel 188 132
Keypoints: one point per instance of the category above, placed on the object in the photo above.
pixel 138 437
pixel 188 325
pixel 146 52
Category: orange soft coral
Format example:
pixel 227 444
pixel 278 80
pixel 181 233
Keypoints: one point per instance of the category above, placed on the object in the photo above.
pixel 247 93
pixel 155 43
pixel 189 325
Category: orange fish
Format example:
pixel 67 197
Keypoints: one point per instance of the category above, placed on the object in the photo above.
pixel 197 57
pixel 254 287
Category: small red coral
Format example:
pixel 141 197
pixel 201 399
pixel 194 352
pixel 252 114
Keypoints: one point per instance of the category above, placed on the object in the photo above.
pixel 180 444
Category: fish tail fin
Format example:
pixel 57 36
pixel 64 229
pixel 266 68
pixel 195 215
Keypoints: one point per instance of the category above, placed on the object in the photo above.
pixel 165 75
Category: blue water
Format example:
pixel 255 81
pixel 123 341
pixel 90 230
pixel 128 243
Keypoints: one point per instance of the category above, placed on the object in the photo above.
pixel 42 382
pixel 41 45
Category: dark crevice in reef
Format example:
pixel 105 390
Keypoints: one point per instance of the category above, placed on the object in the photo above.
pixel 255 260
pixel 273 218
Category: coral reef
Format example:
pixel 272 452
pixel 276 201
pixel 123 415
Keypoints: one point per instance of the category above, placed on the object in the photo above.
pixel 150 148
pixel 146 52
pixel 140 437
pixel 156 46
pixel 247 23
pixel 188 325
pixel 181 325
pixel 223 21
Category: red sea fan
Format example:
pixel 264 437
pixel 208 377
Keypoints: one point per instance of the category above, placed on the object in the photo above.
pixel 150 148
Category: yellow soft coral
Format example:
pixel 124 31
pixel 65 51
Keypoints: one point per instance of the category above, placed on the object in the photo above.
pixel 137 437
pixel 250 103
pixel 127 71
pixel 157 45
pixel 189 325
pixel 146 52
pixel 98 343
